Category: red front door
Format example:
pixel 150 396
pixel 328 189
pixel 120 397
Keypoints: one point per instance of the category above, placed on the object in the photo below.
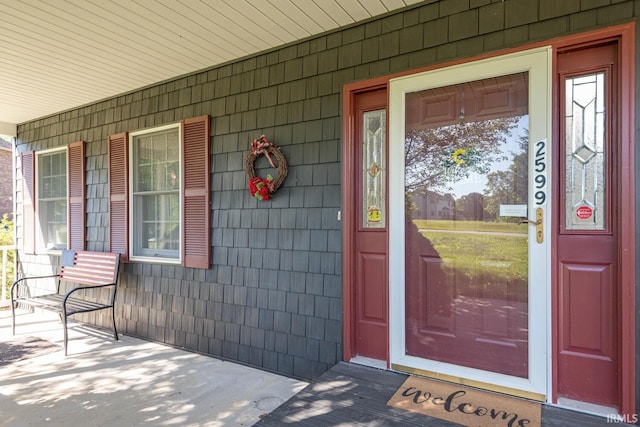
pixel 588 293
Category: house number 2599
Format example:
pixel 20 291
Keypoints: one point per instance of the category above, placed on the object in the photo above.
pixel 540 168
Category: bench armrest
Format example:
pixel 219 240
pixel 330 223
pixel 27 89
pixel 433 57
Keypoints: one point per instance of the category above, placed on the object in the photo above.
pixel 24 279
pixel 82 288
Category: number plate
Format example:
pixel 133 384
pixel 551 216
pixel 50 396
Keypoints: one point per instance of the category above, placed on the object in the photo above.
pixel 540 172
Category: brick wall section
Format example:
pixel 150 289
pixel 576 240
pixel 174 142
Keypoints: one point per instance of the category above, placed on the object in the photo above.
pixel 272 297
pixel 6 183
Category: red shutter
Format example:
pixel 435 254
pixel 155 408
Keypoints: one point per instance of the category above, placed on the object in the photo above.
pixel 75 195
pixel 118 194
pixel 195 158
pixel 28 203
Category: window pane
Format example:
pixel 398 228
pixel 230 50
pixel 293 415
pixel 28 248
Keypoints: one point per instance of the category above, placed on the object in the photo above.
pixel 59 185
pixel 159 221
pixel 156 194
pixel 55 213
pixel 156 161
pixel 52 199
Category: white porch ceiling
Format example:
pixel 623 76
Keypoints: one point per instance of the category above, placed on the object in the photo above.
pixel 60 54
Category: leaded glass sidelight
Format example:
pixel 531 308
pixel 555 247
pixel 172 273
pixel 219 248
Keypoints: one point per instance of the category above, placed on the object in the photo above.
pixel 374 169
pixel 585 144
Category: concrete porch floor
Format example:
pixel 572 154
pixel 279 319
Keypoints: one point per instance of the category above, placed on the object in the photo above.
pixel 130 382
pixel 134 382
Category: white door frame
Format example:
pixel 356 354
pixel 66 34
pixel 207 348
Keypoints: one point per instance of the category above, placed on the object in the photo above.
pixel 537 62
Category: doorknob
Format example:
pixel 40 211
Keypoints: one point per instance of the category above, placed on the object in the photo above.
pixel 537 223
pixel 527 221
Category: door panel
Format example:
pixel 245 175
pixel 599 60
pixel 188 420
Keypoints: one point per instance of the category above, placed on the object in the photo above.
pixel 588 288
pixel 588 316
pixel 371 311
pixel 588 349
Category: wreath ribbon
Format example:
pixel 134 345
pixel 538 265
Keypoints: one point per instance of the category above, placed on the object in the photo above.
pixel 261 146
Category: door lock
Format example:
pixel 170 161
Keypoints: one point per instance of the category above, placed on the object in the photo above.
pixel 537 223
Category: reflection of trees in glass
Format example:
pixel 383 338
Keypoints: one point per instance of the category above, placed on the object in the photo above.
pixel 509 186
pixel 470 207
pixel 504 186
pixel 428 152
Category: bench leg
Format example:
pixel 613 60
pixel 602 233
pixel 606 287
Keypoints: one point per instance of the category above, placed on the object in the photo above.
pixel 113 316
pixel 63 317
pixel 13 316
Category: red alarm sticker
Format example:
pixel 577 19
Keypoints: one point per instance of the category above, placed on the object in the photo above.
pixel 584 212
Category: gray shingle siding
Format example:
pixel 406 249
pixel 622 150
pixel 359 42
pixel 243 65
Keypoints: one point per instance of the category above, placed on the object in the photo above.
pixel 273 295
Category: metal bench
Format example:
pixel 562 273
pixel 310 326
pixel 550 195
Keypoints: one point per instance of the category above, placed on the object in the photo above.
pixel 84 271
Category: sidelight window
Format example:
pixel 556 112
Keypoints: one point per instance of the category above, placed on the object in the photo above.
pixel 585 145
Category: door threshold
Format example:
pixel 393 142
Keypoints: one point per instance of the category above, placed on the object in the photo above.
pixel 588 408
pixel 368 361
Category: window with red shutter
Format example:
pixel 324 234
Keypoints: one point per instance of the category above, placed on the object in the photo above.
pixel 53 190
pixel 168 168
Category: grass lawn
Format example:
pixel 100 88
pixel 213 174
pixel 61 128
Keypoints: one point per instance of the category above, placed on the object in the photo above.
pixel 440 224
pixel 488 265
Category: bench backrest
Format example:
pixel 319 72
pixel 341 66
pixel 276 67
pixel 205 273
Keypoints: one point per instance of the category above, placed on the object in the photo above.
pixel 91 268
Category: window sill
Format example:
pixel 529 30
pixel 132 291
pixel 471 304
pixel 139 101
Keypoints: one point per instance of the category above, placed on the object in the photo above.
pixel 154 260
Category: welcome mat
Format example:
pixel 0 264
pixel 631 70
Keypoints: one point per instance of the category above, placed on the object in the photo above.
pixel 463 405
pixel 25 347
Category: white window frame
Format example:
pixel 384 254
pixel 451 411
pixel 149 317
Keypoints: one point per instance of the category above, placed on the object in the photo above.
pixel 136 252
pixel 41 240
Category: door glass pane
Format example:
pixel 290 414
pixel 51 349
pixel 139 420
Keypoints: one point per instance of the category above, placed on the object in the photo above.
pixel 585 200
pixel 466 261
pixel 374 169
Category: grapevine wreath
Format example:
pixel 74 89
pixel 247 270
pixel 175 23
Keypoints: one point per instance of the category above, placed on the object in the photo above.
pixel 264 188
